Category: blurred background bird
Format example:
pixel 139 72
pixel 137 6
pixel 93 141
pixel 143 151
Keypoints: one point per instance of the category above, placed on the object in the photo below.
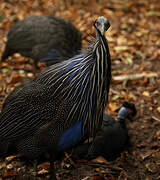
pixel 39 37
pixel 112 139
pixel 62 105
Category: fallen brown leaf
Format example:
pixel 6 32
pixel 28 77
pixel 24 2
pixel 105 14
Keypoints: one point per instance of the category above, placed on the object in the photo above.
pixel 112 107
pixel 43 171
pixel 97 178
pixel 158 109
pixel 151 167
pixel 45 165
pixel 10 158
pixel 100 160
pixel 158 135
pixel 8 174
pixel 146 155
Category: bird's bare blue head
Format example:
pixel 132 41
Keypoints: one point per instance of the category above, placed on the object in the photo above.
pixel 102 25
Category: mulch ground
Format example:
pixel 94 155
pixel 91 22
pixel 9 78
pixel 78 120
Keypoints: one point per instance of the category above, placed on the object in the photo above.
pixel 134 40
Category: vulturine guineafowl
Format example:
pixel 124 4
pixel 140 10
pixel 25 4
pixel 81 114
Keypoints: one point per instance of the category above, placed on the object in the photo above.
pixel 38 37
pixel 112 139
pixel 62 105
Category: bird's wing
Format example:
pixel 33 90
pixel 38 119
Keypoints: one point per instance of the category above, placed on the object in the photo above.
pixel 28 109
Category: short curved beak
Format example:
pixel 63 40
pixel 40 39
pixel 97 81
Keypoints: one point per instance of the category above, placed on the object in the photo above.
pixel 105 27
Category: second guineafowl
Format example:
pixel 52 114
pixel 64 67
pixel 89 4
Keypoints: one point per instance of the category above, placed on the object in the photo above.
pixel 42 36
pixel 111 139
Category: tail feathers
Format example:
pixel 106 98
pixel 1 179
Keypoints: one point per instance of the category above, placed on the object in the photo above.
pixel 5 55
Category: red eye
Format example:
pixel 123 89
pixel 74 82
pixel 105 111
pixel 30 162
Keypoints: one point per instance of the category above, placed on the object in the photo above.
pixel 97 23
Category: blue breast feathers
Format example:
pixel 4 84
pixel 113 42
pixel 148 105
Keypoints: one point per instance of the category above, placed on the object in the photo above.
pixel 71 136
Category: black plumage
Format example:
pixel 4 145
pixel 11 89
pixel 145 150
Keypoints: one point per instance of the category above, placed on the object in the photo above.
pixel 37 37
pixel 112 139
pixel 64 103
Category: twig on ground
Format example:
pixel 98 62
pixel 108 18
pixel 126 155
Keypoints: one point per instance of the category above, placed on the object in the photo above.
pixel 134 76
pixel 155 118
